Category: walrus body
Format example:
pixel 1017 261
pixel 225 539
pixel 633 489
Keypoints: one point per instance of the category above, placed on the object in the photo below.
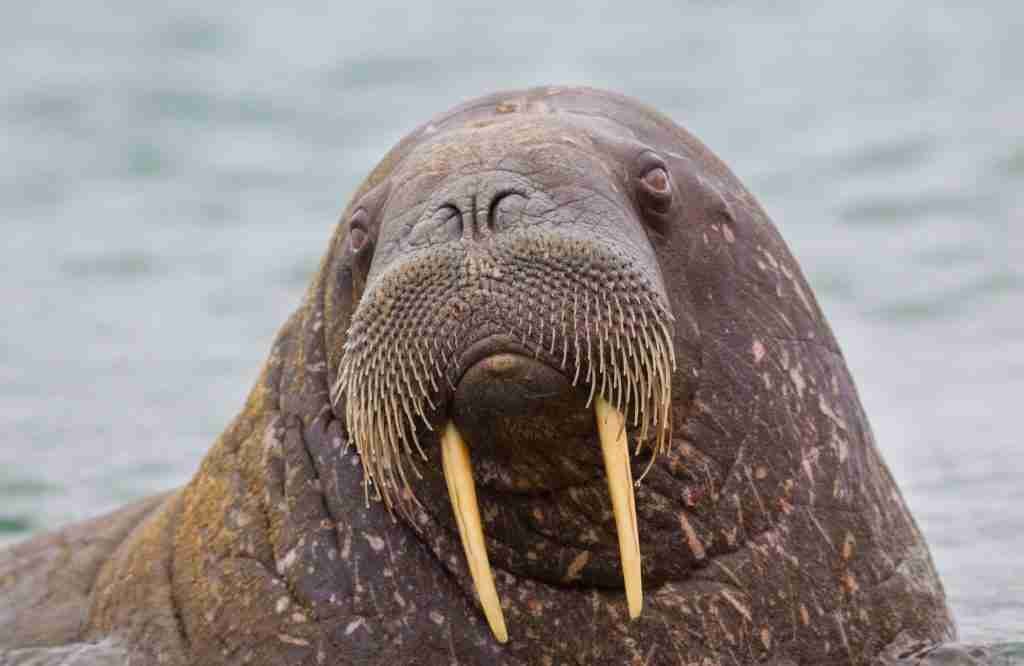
pixel 507 269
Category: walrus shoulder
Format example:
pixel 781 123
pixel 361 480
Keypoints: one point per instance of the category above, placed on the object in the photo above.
pixel 46 582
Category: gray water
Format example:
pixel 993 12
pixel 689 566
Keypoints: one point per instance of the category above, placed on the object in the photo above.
pixel 171 175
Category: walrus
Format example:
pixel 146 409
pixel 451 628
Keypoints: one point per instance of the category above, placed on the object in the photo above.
pixel 558 393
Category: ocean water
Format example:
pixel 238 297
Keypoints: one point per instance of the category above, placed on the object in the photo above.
pixel 171 173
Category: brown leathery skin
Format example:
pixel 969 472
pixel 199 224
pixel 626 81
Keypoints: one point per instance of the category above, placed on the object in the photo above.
pixel 771 529
pixel 46 581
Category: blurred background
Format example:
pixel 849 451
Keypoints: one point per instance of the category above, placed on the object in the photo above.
pixel 171 173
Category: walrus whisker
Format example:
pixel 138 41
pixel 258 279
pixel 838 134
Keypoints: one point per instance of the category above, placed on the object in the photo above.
pixel 565 339
pixel 425 365
pixel 412 425
pixel 601 356
pixel 647 467
pixel 540 306
pixel 576 331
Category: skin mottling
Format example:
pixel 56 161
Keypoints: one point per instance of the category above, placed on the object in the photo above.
pixel 696 547
pixel 817 525
pixel 740 608
pixel 757 349
pixel 807 462
pixel 770 258
pixel 293 640
pixel 288 561
pixel 804 300
pixel 840 446
pixel 831 413
pixel 785 506
pixel 580 561
pixel 798 381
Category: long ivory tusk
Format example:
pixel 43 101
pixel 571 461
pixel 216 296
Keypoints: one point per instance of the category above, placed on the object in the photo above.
pixel 611 428
pixel 458 474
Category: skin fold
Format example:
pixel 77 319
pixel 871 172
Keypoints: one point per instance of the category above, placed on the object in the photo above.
pixel 461 288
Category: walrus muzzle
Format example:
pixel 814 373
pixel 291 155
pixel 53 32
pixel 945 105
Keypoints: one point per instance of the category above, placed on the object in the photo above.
pixel 604 334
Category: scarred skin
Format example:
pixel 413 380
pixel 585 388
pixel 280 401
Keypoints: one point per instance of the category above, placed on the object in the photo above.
pixel 771 530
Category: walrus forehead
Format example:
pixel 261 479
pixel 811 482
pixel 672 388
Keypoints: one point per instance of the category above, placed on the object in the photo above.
pixel 554 142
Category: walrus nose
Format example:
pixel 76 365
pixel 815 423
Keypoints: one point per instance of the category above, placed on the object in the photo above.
pixel 484 214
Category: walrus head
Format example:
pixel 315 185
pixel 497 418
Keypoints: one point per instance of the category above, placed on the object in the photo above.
pixel 511 310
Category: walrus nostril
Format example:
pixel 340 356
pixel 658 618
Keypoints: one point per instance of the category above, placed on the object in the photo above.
pixel 506 209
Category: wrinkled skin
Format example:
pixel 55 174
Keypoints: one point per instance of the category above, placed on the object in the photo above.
pixel 771 530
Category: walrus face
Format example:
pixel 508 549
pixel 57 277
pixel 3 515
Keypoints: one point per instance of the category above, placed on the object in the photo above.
pixel 511 310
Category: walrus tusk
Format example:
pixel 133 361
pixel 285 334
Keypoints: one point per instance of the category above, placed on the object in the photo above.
pixel 611 428
pixel 458 474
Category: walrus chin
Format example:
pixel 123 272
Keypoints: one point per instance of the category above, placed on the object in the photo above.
pixel 616 350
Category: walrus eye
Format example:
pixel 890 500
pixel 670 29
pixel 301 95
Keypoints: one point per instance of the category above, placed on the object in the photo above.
pixel 357 235
pixel 655 189
pixel 653 183
pixel 657 180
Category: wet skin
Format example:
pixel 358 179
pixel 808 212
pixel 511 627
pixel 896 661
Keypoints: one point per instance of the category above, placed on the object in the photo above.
pixel 509 270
